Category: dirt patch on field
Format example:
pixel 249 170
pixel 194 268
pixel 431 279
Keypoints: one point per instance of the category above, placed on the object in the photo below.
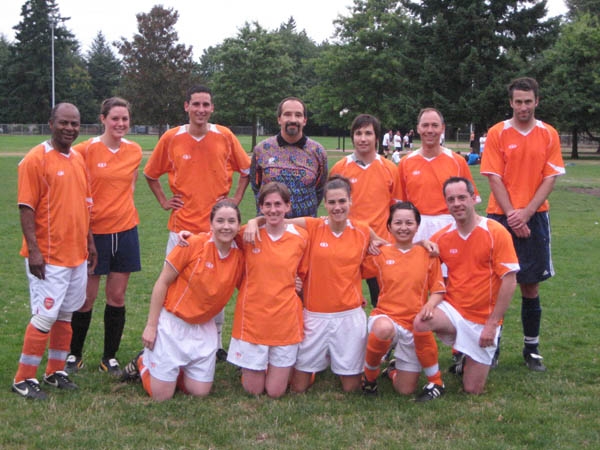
pixel 590 191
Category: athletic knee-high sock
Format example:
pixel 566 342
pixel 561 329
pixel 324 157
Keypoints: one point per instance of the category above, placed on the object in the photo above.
pixel 80 323
pixel 34 346
pixel 376 349
pixel 373 290
pixel 144 375
pixel 58 348
pixel 531 315
pixel 114 323
pixel 427 354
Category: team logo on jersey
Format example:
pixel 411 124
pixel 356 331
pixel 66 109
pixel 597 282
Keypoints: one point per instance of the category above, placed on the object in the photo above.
pixel 454 251
pixel 512 146
pixel 60 173
pixel 210 265
pixel 256 250
pixel 186 156
pixel 416 172
pixel 324 244
pixel 390 262
pixel 271 160
pixel 353 180
pixel 102 165
pixel 48 303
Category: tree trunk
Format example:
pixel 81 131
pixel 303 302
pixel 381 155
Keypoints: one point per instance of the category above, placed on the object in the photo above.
pixel 574 150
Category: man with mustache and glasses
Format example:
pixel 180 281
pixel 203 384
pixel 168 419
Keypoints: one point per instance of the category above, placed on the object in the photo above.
pixel 293 159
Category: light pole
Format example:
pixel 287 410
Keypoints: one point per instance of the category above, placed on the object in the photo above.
pixel 343 112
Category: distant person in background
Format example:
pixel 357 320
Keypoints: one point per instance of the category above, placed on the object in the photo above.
pixel 522 160
pixel 112 164
pixel 54 200
pixel 482 139
pixel 398 141
pixel 411 136
pixel 388 139
pixel 293 159
pixel 396 157
pixel 198 158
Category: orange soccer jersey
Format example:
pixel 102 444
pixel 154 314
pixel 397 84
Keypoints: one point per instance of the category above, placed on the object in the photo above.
pixel 406 280
pixel 268 311
pixel 422 179
pixel 112 176
pixel 476 264
pixel 375 188
pixel 55 186
pixel 334 280
pixel 206 280
pixel 199 170
pixel 522 161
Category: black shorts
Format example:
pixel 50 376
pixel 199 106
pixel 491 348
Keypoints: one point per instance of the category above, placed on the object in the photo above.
pixel 118 252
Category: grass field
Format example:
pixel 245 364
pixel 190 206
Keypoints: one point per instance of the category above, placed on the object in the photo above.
pixel 520 409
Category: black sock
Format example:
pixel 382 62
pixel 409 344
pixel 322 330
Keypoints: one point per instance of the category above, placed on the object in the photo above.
pixel 80 324
pixel 114 322
pixel 373 290
pixel 531 315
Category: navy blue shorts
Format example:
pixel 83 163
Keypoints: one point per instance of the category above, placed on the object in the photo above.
pixel 118 252
pixel 533 252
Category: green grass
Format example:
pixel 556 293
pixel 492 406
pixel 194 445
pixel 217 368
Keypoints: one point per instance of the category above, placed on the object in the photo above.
pixel 557 409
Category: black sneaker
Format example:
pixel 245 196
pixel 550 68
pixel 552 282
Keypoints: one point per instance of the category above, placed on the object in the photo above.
pixel 533 361
pixel 73 364
pixel 131 372
pixel 389 370
pixel 368 387
pixel 29 388
pixel 458 364
pixel 60 380
pixel 430 392
pixel 110 366
pixel 221 355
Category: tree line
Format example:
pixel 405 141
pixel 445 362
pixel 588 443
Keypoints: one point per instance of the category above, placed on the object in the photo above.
pixel 387 58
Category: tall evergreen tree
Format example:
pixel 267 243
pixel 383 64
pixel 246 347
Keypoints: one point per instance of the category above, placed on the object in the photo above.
pixel 104 68
pixel 30 69
pixel 157 70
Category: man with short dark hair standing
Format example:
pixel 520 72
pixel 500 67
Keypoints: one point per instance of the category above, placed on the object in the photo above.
pixel 291 158
pixel 522 160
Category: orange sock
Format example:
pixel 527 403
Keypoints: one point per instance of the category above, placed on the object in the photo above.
pixel 376 349
pixel 34 346
pixel 59 346
pixel 427 353
pixel 144 375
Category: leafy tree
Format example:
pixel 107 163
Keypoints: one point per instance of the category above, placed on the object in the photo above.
pixel 576 7
pixel 29 71
pixel 157 70
pixel 573 95
pixel 249 75
pixel 104 69
pixel 364 72
pixel 466 51
pixel 5 53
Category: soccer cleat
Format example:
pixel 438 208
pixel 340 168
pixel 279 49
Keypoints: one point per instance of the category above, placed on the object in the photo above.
pixel 430 392
pixel 221 355
pixel 60 380
pixel 533 361
pixel 131 371
pixel 459 364
pixel 368 387
pixel 73 364
pixel 110 366
pixel 388 372
pixel 29 388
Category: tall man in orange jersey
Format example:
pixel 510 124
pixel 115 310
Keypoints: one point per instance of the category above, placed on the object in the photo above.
pixel 375 182
pixel 482 266
pixel 54 201
pixel 522 160
pixel 199 159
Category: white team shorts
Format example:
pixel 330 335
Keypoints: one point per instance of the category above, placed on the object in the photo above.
pixel 172 242
pixel 404 346
pixel 467 336
pixel 431 225
pixel 258 357
pixel 336 339
pixel 185 346
pixel 63 289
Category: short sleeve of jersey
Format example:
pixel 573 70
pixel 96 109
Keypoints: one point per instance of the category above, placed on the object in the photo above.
pixel 159 162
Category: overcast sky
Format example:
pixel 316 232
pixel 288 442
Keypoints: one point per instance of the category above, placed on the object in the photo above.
pixel 201 24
